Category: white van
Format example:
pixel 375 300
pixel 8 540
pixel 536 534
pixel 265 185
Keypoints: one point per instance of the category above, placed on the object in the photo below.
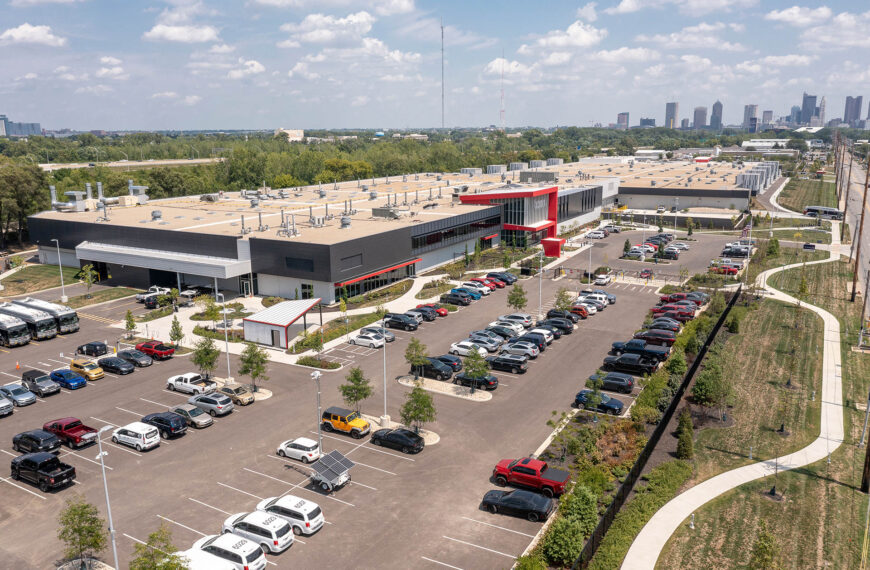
pixel 239 552
pixel 139 435
pixel 305 516
pixel 596 296
pixel 198 560
pixel 272 533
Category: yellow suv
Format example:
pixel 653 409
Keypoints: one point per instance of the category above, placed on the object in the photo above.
pixel 87 368
pixel 340 419
pixel 240 395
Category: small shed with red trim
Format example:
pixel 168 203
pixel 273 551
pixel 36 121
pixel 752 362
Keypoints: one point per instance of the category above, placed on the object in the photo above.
pixel 276 325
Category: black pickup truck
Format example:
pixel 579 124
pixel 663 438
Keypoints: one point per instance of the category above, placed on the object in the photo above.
pixel 631 363
pixel 641 347
pixel 44 470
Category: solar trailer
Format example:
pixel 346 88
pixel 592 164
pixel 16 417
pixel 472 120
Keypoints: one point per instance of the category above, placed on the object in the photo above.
pixel 331 471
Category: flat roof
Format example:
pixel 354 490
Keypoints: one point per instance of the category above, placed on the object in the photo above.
pixel 284 313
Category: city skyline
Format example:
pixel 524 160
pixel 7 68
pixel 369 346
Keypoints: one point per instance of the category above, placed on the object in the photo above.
pixel 201 64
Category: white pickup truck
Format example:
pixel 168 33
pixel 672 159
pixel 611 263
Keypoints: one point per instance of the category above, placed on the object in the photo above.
pixel 190 383
pixel 153 290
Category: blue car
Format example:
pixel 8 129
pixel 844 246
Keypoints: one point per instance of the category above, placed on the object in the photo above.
pixel 473 294
pixel 68 379
pixel 608 405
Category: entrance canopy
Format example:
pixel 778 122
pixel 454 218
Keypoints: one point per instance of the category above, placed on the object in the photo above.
pixel 192 264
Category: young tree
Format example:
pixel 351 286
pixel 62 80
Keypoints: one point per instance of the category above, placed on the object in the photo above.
pixel 563 300
pixel 765 550
pixel 690 226
pixel 90 276
pixel 205 356
pixel 685 436
pixel 418 408
pixel 253 363
pixel 517 298
pixel 594 398
pixel 475 366
pixel 158 552
pixel 477 250
pixel 626 247
pixel 175 331
pixel 506 261
pixel 81 529
pixel 356 389
pixel 581 505
pixel 415 355
pixel 129 323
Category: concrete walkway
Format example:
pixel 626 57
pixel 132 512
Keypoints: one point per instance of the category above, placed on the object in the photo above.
pixel 773 199
pixel 647 546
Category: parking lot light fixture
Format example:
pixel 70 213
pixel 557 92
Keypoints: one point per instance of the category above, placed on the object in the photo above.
pixel 100 456
pixel 63 297
pixel 226 335
pixel 316 377
pixel 541 284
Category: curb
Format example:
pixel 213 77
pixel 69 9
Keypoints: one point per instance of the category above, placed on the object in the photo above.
pixel 409 383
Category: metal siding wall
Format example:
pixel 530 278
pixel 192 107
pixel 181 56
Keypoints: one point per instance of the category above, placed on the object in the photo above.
pixel 378 251
pixel 268 256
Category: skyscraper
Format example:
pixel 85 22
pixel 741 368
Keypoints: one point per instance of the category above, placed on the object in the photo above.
pixel 716 117
pixel 647 122
pixel 852 113
pixel 749 112
pixel 766 117
pixel 672 110
pixel 820 111
pixel 700 119
pixel 795 116
pixel 808 108
pixel 622 121
pixel 684 123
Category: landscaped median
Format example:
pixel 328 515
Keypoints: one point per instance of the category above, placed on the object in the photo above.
pixel 446 387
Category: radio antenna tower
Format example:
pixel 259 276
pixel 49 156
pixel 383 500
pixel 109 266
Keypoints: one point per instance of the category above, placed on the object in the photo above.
pixel 501 109
pixel 442 73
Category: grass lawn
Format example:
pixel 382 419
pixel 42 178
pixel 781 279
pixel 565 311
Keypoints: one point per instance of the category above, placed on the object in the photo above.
pixel 798 194
pixel 810 235
pixel 434 288
pixel 820 523
pixel 489 259
pixel 101 296
pixel 36 278
pixel 335 329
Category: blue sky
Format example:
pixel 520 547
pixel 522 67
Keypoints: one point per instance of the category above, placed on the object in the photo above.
pixel 209 64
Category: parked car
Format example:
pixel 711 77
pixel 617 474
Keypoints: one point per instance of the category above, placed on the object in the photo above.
pixel 641 347
pixel 464 347
pixel 474 293
pixel 723 270
pixel 44 470
pixel 136 358
pixel 595 234
pixel 607 405
pixel 508 363
pixel 214 404
pixel 415 315
pixel 523 319
pixel 370 340
pixel 526 349
pixel 271 533
pixel 153 290
pixel 116 365
pixel 427 313
pixel 434 368
pixel 156 349
pixel 17 394
pixel 809 246
pixel 346 421
pixel 681 316
pixel 169 424
pixel 493 284
pixel 6 407
pixel 454 362
pixel 137 435
pixel 485 341
pixel 455 299
pixel 658 337
pixel 513 325
pixel 488 382
pixel 565 326
pixel 586 306
pixel 550 332
pixel 93 349
pixel 87 368
pixel 301 449
pixel 676 297
pixel 505 276
pixel 613 382
pixel 439 310
pixel 536 339
pixel 671 253
pixel 240 394
pixel 664 325
pixel 190 383
pixel 39 382
pixel 531 473
pixel 632 363
pixel 609 297
pixel 646 274
pixel 682 245
pixel 388 336
pixel 519 503
pixel 481 288
pixel 670 307
pixel 603 279
pixel 401 439
pixel 193 416
pixel 635 253
pixel 580 310
pixel 400 322
pixel 35 441
pixel 599 304
pixel 242 553
pixel 305 516
pixel 559 314
pixel 612 229
pixel 503 331
pixel 68 379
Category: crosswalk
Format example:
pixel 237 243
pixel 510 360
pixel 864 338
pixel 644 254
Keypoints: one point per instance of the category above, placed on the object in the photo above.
pixel 98 318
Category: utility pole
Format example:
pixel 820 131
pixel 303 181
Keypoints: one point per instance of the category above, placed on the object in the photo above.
pixel 442 74
pixel 865 478
pixel 858 247
pixel 846 206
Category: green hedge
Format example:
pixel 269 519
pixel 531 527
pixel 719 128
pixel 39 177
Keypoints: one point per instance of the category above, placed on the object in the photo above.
pixel 315 362
pixel 663 483
pixel 233 335
pixel 333 330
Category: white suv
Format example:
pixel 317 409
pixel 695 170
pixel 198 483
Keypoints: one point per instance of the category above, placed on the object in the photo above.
pixel 305 516
pixel 269 531
pixel 465 347
pixel 137 434
pixel 301 448
pixel 479 287
pixel 521 318
pixel 596 234
pixel 241 553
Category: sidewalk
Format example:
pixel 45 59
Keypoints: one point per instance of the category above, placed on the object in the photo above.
pixel 647 546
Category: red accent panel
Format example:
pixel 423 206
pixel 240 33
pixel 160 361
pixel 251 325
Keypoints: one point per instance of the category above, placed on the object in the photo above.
pixel 355 279
pixel 552 246
pixel 494 195
pixel 553 213
pixel 490 237
pixel 549 224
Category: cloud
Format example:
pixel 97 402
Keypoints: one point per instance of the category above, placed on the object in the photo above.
pixel 221 48
pixel 369 50
pixel 184 34
pixel 556 58
pixel 248 67
pixel 359 101
pixel 845 30
pixel 625 7
pixel 27 77
pixel 626 54
pixel 788 60
pixel 98 89
pixel 27 34
pixel 380 7
pixel 799 16
pixel 689 7
pixel 700 36
pixel 164 95
pixel 326 29
pixel 578 34
pixel 191 100
pixel 429 30
pixel 510 68
pixel 587 12
pixel 109 60
pixel 301 70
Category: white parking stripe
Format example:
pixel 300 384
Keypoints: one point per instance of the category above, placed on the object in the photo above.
pixel 239 490
pixel 22 488
pixel 441 563
pixel 105 422
pixel 361 485
pixel 185 396
pixel 58 361
pixel 129 411
pixel 500 527
pixel 10 375
pixel 209 506
pixel 478 546
pixel 73 453
pixel 121 448
pixel 372 467
pixel 370 448
pixel 297 485
pixel 156 403
pixel 182 526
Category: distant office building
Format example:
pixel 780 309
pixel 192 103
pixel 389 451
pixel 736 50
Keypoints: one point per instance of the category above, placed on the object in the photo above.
pixel 622 121
pixel 700 118
pixel 752 126
pixel 795 116
pixel 749 112
pixel 647 122
pixel 12 129
pixel 3 122
pixel 820 111
pixel 293 135
pixel 766 117
pixel 684 124
pixel 716 117
pixel 852 113
pixel 808 109
pixel 672 110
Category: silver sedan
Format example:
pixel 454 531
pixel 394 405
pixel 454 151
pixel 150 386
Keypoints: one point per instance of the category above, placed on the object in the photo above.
pixel 214 404
pixel 526 349
pixel 18 394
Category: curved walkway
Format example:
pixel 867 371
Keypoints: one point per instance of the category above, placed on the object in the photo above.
pixel 775 195
pixel 647 546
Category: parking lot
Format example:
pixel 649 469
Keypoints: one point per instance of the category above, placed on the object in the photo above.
pixel 399 510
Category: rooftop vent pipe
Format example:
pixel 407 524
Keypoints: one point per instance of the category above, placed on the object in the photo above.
pixel 345 222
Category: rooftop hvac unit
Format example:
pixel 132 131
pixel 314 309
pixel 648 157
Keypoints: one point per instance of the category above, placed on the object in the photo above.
pixel 345 222
pixel 156 215
pixel 209 198
pixel 255 202
pixel 373 194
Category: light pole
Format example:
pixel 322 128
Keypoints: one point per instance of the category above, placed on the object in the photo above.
pixel 541 285
pixel 226 336
pixel 316 377
pixel 385 418
pixel 676 209
pixel 63 297
pixel 106 488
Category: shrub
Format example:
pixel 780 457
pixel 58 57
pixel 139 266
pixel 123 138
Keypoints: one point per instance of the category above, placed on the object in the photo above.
pixel 563 542
pixel 532 561
pixel 596 478
pixel 685 420
pixel 685 444
pixel 676 364
pixel 315 362
pixel 733 324
pixel 665 397
pixel 645 414
pixel 581 505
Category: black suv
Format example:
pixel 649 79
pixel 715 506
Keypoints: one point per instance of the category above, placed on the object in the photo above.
pixel 93 349
pixel 35 441
pixel 395 321
pixel 169 424
pixel 508 363
pixel 456 299
pixel 533 338
pixel 565 326
pixel 429 314
pixel 613 381
pixel 450 360
pixel 504 276
pixel 488 382
pixel 633 363
pixel 557 314
pixel 503 332
pixel 436 369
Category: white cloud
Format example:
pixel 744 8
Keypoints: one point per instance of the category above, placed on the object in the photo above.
pixel 301 70
pixel 700 36
pixel 164 95
pixel 510 68
pixel 288 44
pixel 800 16
pixel 556 58
pixel 27 34
pixel 191 100
pixel 391 7
pixel 380 7
pixel 788 60
pixel 359 101
pixel 845 30
pixel 578 34
pixel 221 48
pixel 690 7
pixel 429 30
pixel 27 77
pixel 184 34
pixel 370 49
pixel 326 29
pixel 61 69
pixel 625 7
pixel 109 60
pixel 248 67
pixel 114 72
pixel 587 12
pixel 626 54
pixel 98 89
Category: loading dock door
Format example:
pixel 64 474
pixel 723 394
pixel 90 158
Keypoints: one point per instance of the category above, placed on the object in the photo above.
pixel 276 338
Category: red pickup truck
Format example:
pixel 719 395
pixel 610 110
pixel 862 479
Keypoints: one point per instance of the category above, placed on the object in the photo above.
pixel 156 349
pixel 531 473
pixel 685 309
pixel 71 431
